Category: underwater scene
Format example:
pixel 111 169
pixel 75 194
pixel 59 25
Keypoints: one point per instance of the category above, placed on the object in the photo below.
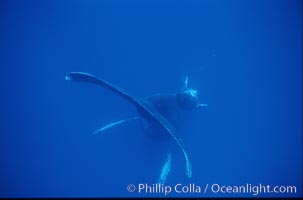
pixel 166 98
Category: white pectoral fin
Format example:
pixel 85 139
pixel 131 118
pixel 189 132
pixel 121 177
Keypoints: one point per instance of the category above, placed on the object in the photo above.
pixel 187 160
pixel 165 169
pixel 202 105
pixel 171 131
pixel 186 82
pixel 112 124
pixel 188 164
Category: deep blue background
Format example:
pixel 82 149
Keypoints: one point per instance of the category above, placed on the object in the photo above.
pixel 244 57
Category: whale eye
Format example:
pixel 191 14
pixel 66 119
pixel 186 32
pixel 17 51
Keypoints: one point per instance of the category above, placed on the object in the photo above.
pixel 188 98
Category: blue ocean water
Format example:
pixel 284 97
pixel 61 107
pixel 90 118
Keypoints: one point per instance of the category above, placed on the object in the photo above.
pixel 244 57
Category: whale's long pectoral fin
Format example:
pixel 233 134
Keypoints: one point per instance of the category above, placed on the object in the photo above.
pixel 200 105
pixel 88 78
pixel 171 130
pixel 165 169
pixel 112 124
pixel 186 82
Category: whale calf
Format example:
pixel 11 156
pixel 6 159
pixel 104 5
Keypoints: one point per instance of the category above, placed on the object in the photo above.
pixel 154 113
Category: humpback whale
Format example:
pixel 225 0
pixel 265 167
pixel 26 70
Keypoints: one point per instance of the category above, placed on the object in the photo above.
pixel 154 113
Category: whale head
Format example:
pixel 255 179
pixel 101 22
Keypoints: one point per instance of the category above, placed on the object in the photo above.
pixel 187 97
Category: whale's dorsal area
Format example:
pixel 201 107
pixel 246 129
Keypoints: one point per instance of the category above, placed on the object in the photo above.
pixel 143 106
